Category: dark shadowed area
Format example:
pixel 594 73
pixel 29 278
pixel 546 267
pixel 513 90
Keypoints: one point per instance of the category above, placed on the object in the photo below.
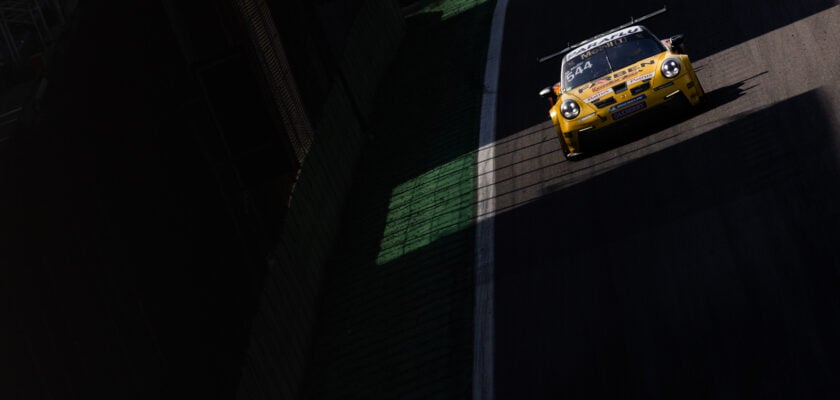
pixel 123 276
pixel 706 270
pixel 397 315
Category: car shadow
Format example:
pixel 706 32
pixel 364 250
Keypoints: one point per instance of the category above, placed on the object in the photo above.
pixel 711 264
pixel 655 121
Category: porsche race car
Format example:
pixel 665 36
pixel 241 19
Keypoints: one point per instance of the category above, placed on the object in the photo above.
pixel 615 76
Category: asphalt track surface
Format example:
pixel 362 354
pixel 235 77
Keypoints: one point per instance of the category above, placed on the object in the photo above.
pixel 694 257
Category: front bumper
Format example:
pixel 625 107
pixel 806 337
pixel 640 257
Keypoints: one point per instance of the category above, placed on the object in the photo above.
pixel 630 107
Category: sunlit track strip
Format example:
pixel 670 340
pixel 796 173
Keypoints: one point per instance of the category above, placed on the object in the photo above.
pixel 528 164
pixel 484 324
pixel 510 193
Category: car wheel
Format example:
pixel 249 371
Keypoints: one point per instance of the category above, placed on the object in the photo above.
pixel 564 149
pixel 574 156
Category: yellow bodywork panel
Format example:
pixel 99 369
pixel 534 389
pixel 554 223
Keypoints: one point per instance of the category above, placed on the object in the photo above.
pixel 621 94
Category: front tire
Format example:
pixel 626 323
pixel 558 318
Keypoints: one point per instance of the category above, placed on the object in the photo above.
pixel 575 156
pixel 564 148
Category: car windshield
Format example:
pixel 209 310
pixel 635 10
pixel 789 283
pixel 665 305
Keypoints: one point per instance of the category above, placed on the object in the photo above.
pixel 585 66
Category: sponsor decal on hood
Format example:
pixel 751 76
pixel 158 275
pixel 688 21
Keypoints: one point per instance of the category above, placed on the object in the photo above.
pixel 616 77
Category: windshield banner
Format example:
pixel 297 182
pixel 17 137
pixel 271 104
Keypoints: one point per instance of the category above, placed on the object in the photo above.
pixel 602 40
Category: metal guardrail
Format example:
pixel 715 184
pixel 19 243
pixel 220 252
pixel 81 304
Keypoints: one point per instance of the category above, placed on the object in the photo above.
pixel 17 17
pixel 10 117
pixel 8 120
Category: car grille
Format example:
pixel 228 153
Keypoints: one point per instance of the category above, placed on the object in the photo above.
pixel 602 104
pixel 639 89
pixel 619 88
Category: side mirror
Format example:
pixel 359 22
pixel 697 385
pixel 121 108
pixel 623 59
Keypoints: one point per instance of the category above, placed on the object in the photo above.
pixel 677 40
pixel 677 43
pixel 549 95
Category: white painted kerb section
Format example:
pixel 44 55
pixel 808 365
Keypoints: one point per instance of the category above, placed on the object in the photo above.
pixel 484 335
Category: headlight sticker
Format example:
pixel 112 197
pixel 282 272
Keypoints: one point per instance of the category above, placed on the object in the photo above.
pixel 641 78
pixel 595 97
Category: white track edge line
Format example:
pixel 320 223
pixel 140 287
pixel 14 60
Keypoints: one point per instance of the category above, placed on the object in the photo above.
pixel 484 324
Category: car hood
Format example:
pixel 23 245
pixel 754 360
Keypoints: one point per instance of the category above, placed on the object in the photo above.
pixel 595 89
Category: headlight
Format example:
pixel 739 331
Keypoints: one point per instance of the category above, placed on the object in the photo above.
pixel 570 109
pixel 671 68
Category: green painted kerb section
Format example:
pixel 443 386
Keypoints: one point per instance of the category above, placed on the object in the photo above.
pixel 452 8
pixel 429 207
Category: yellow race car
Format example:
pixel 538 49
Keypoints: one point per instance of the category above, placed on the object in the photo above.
pixel 616 75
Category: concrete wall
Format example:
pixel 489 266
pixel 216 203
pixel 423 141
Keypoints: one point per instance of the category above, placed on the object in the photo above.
pixel 370 46
pixel 152 250
pixel 282 331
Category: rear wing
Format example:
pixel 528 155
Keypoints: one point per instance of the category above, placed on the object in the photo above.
pixel 633 21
